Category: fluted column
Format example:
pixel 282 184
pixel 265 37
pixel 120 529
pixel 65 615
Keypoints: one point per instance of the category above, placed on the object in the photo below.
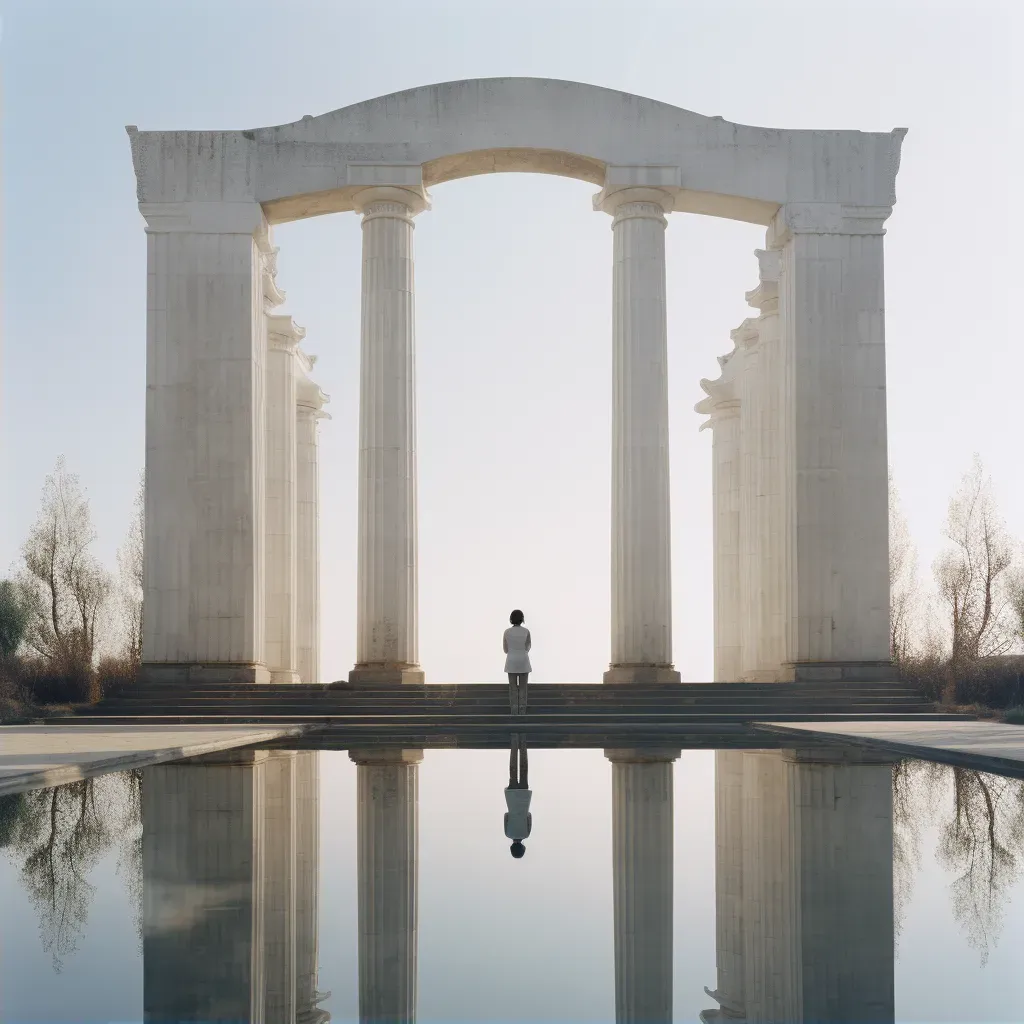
pixel 746 338
pixel 310 401
pixel 641 626
pixel 208 278
pixel 642 865
pixel 387 822
pixel 283 337
pixel 723 406
pixel 832 331
pixel 768 532
pixel 386 629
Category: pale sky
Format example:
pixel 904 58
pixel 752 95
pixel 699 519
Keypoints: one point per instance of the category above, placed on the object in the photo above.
pixel 513 276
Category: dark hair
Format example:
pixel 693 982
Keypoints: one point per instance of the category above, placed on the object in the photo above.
pixel 516 618
pixel 517 849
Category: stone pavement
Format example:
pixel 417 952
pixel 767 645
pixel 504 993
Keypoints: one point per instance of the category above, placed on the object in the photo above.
pixel 34 756
pixel 986 746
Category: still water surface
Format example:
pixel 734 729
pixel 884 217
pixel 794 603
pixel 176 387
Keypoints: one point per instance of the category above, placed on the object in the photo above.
pixel 286 887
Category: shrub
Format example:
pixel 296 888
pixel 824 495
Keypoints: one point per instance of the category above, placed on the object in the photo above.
pixel 1015 715
pixel 45 684
pixel 116 673
pixel 990 682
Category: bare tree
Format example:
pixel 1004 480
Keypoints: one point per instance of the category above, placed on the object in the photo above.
pixel 972 574
pixel 129 570
pixel 63 583
pixel 902 581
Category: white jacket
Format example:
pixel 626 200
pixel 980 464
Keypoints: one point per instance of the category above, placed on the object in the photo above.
pixel 516 645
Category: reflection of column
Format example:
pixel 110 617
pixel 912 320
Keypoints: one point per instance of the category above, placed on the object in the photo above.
pixel 203 876
pixel 279 895
pixel 723 407
pixel 307 888
pixel 641 523
pixel 729 923
pixel 283 337
pixel 642 876
pixel 308 412
pixel 388 844
pixel 386 630
pixel 817 888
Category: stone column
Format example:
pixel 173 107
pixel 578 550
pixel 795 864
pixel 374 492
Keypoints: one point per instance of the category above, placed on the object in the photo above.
pixel 386 630
pixel 283 337
pixel 729 924
pixel 387 818
pixel 308 412
pixel 723 406
pixel 642 850
pixel 769 531
pixel 832 322
pixel 749 383
pixel 205 442
pixel 641 526
pixel 203 855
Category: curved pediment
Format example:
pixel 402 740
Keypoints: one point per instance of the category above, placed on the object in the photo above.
pixel 435 133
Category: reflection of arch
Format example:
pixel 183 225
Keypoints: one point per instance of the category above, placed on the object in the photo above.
pixel 225 571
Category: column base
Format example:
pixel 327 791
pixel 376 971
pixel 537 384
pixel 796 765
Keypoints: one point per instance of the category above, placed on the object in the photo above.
pixel 386 675
pixel 183 673
pixel 841 672
pixel 285 676
pixel 644 674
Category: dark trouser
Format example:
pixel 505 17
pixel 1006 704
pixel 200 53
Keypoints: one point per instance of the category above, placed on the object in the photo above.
pixel 517 765
pixel 517 691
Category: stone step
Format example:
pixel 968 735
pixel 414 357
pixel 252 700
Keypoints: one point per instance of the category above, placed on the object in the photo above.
pixel 332 707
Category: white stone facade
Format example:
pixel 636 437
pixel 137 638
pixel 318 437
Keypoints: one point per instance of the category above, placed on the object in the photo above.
pixel 802 587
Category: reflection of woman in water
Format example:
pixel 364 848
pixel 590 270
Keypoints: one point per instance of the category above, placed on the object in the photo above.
pixel 516 644
pixel 518 819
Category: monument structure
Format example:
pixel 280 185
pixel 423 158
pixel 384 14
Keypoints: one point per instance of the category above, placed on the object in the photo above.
pixel 801 522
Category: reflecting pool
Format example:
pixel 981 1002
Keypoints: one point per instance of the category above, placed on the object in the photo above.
pixel 652 884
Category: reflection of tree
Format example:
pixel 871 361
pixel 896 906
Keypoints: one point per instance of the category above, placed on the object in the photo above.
pixel 982 840
pixel 980 818
pixel 58 835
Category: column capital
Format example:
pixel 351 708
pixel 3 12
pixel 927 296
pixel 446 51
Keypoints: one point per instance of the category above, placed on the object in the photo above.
pixel 272 295
pixel 385 756
pixel 826 219
pixel 390 201
pixel 723 398
pixel 310 398
pixel 642 755
pixel 765 297
pixel 634 201
pixel 217 218
pixel 747 335
pixel 283 333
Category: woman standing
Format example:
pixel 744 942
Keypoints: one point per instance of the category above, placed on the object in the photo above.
pixel 516 645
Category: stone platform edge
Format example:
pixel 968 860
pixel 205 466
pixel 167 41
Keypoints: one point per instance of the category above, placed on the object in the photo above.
pixel 995 764
pixel 84 768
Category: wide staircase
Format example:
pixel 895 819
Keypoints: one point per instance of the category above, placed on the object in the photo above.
pixel 557 706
